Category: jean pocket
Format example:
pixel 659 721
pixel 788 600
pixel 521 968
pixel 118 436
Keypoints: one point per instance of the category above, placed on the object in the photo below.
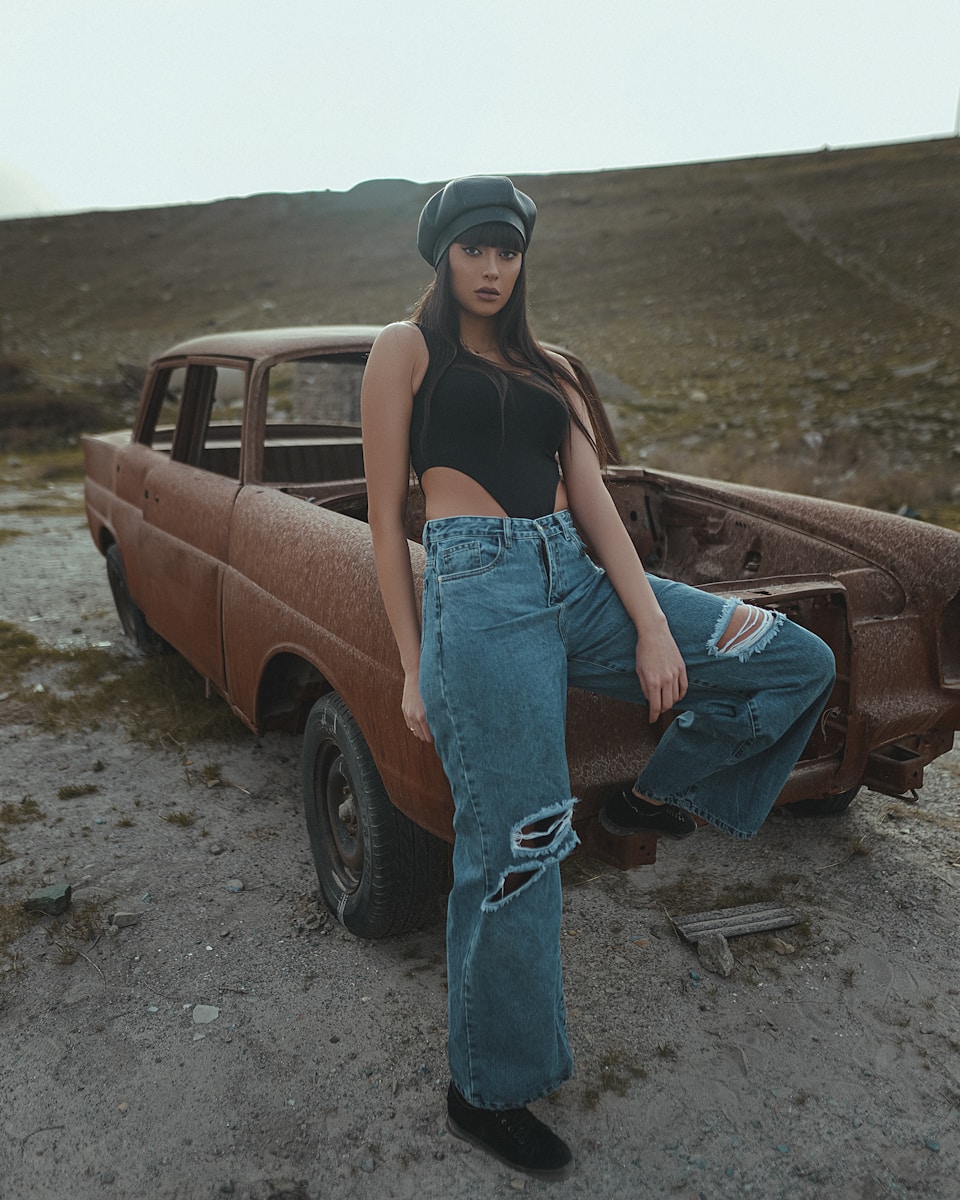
pixel 463 559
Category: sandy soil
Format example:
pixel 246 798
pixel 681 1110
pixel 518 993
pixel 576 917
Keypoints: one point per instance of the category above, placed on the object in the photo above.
pixel 826 1064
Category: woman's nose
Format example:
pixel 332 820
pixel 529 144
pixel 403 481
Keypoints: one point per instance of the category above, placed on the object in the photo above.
pixel 490 265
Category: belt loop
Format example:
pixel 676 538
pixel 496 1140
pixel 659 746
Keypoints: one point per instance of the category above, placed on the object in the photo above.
pixel 507 532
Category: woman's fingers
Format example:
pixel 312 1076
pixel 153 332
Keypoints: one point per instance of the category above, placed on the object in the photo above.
pixel 415 715
pixel 663 692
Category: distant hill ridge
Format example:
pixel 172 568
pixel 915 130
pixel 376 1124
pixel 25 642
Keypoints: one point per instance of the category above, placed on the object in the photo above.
pixel 791 292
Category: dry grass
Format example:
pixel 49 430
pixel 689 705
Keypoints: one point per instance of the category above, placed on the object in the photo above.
pixel 160 701
pixel 734 307
pixel 849 468
pixel 899 811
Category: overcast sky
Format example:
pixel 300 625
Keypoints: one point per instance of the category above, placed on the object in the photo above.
pixel 135 103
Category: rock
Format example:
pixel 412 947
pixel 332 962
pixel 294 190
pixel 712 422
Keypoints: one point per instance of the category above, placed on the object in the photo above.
pixel 203 1014
pixel 714 954
pixel 123 920
pixel 234 885
pixel 51 901
pixel 781 947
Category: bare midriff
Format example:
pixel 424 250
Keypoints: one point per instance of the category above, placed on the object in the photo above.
pixel 451 493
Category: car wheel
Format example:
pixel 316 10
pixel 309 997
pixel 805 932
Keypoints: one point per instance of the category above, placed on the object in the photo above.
pixel 378 871
pixel 824 806
pixel 131 618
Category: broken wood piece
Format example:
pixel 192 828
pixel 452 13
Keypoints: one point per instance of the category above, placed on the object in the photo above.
pixel 732 922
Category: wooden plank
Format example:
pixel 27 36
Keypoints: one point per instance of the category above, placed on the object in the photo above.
pixel 732 922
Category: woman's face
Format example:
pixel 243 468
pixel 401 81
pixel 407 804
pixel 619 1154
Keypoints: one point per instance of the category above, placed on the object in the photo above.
pixel 482 278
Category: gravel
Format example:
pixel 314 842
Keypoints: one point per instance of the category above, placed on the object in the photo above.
pixel 234 1041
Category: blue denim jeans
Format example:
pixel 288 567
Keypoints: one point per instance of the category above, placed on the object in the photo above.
pixel 514 611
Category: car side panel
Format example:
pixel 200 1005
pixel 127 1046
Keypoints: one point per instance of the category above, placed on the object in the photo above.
pixel 302 580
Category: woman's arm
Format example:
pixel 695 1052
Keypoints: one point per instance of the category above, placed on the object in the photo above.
pixel 660 667
pixel 394 371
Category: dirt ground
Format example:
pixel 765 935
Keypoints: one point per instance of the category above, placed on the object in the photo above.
pixel 826 1064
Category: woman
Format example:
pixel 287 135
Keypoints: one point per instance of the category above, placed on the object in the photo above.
pixel 499 432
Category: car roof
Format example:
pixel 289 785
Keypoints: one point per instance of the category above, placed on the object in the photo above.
pixel 267 343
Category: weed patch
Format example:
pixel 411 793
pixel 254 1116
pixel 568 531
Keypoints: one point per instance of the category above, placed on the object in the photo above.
pixel 179 817
pixel 14 922
pixel 72 791
pixel 21 813
pixel 701 893
pixel 18 650
pixel 55 464
pixel 160 701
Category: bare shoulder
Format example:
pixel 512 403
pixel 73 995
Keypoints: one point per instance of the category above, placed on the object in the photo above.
pixel 568 374
pixel 401 339
pixel 559 360
pixel 399 353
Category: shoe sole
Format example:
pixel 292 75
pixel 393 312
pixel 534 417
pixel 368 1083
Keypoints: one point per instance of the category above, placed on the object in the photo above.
pixel 624 831
pixel 547 1176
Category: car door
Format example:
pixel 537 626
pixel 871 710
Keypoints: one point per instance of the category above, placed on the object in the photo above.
pixel 187 503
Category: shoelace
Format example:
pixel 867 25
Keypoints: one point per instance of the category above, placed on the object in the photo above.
pixel 517 1122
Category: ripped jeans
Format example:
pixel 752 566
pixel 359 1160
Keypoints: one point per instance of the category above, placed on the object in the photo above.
pixel 514 611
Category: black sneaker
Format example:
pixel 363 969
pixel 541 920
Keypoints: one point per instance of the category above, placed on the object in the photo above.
pixel 626 813
pixel 513 1135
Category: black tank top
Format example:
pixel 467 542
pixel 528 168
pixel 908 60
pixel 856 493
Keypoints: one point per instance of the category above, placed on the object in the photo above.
pixel 509 452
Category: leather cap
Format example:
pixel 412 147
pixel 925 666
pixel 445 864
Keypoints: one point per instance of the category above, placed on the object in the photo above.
pixel 472 200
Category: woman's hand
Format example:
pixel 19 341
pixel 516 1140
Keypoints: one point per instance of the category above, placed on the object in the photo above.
pixel 661 670
pixel 413 711
pixel 660 666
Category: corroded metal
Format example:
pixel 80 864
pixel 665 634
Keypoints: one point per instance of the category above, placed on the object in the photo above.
pixel 249 552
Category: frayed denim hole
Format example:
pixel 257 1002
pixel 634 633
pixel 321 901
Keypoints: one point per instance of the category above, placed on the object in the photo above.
pixel 542 834
pixel 758 628
pixel 503 896
pixel 544 838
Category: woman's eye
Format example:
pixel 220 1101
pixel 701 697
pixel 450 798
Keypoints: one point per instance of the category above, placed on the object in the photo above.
pixel 470 249
pixel 509 255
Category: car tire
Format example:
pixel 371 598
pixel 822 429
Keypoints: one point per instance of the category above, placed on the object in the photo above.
pixel 131 618
pixel 824 806
pixel 379 873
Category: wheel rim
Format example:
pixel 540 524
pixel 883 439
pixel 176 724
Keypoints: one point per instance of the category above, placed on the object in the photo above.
pixel 336 802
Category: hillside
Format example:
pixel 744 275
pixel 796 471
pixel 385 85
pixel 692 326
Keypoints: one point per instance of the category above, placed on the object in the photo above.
pixel 788 319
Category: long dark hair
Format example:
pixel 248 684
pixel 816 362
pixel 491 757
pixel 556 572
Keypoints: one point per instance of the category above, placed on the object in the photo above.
pixel 438 317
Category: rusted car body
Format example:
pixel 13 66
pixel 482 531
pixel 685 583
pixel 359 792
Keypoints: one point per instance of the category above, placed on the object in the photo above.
pixel 233 519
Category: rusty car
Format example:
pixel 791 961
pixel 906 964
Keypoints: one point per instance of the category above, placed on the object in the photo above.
pixel 233 522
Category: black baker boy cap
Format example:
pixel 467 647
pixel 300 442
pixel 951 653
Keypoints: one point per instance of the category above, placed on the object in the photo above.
pixel 472 200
